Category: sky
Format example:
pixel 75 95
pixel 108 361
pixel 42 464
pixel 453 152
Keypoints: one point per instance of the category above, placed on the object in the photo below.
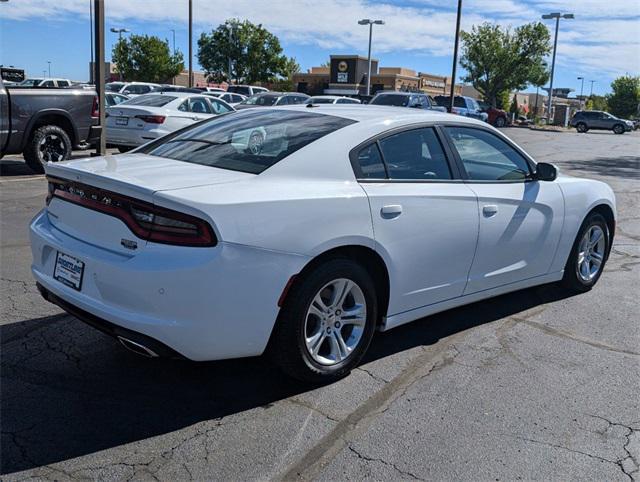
pixel 601 43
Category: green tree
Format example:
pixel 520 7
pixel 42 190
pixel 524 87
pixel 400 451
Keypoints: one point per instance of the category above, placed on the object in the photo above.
pixel 255 53
pixel 514 108
pixel 624 101
pixel 285 82
pixel 498 60
pixel 596 102
pixel 146 58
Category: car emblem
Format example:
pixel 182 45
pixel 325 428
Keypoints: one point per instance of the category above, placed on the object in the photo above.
pixel 127 243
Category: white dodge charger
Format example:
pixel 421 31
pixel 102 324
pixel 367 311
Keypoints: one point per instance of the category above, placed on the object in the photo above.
pixel 300 231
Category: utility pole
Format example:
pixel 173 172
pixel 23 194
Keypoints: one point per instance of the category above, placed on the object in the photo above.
pixel 49 62
pixel 557 16
pixel 190 43
pixel 99 72
pixel 581 79
pixel 455 57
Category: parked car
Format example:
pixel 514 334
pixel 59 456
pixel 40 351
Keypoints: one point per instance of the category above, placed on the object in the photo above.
pixel 228 97
pixel 306 243
pixel 247 90
pixel 40 82
pixel 406 99
pixel 131 88
pixel 496 117
pixel 585 120
pixel 148 117
pixel 270 99
pixel 331 99
pixel 46 124
pixel 111 98
pixel 464 106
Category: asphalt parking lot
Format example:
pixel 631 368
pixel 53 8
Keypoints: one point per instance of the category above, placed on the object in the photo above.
pixel 536 384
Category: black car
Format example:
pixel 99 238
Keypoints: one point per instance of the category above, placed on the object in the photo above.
pixel 416 100
pixel 585 120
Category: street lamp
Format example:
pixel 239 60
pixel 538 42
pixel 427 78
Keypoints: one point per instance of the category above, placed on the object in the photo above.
pixel 370 23
pixel 119 31
pixel 557 16
pixel 581 79
pixel 174 40
pixel 592 82
pixel 49 62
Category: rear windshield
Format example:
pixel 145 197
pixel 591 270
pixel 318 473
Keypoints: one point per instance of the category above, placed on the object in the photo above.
pixel 151 100
pixel 397 100
pixel 247 141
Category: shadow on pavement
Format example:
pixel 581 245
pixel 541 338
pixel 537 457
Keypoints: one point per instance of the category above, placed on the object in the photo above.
pixel 623 166
pixel 69 391
pixel 9 167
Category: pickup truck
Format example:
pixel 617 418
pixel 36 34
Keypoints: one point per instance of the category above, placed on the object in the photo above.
pixel 46 124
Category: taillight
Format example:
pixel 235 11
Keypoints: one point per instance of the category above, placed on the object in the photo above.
pixel 145 220
pixel 151 119
pixel 95 108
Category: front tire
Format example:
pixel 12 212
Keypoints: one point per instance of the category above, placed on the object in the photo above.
pixel 618 129
pixel 47 144
pixel 588 254
pixel 501 122
pixel 581 127
pixel 327 322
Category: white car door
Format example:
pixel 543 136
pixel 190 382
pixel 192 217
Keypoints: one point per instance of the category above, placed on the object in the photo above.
pixel 425 220
pixel 520 218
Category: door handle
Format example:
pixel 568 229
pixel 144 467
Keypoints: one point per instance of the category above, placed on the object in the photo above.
pixel 391 211
pixel 489 210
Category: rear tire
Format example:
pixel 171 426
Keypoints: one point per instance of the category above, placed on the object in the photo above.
pixel 316 345
pixel 618 129
pixel 581 127
pixel 47 143
pixel 500 122
pixel 587 259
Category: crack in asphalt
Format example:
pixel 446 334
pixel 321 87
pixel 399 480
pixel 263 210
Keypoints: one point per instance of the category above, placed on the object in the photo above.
pixel 372 375
pixel 384 462
pixel 629 457
pixel 296 401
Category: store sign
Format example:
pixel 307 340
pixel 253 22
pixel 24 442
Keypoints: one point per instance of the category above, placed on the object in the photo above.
pixel 433 83
pixel 343 77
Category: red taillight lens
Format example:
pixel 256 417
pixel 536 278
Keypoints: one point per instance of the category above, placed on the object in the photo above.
pixel 145 220
pixel 151 119
pixel 95 108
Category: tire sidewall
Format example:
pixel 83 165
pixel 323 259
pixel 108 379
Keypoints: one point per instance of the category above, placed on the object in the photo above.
pixel 297 305
pixel 582 127
pixel 501 122
pixel 618 129
pixel 33 155
pixel 571 278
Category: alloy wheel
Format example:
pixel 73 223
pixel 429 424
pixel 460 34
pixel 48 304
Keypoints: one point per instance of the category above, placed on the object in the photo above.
pixel 52 148
pixel 335 322
pixel 591 254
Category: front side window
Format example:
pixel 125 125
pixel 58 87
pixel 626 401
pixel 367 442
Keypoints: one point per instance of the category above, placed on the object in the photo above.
pixel 486 157
pixel 63 83
pixel 415 154
pixel 247 141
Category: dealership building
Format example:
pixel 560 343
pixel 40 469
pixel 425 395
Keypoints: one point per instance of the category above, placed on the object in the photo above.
pixel 347 75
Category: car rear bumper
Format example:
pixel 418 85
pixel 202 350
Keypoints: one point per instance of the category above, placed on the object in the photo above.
pixel 132 137
pixel 200 303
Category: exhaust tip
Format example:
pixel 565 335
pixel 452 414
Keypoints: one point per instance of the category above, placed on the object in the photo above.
pixel 137 348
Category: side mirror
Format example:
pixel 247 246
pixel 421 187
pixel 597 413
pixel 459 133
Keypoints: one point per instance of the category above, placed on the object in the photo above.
pixel 545 172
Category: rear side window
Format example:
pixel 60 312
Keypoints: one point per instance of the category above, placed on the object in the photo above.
pixel 370 163
pixel 247 141
pixel 486 157
pixel 415 154
pixel 151 100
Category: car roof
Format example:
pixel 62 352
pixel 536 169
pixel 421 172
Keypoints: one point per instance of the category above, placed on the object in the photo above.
pixel 377 113
pixel 391 92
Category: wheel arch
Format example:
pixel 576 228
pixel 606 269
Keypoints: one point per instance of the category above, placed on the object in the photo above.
pixel 607 213
pixel 55 117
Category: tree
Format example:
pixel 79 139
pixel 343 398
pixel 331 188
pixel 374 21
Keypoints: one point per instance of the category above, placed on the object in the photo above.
pixel 515 108
pixel 624 101
pixel 255 53
pixel 498 60
pixel 596 102
pixel 146 58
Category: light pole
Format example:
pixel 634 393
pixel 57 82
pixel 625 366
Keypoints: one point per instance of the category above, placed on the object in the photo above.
pixel 581 79
pixel 592 82
pixel 557 16
pixel 119 31
pixel 174 41
pixel 190 43
pixel 49 62
pixel 370 23
pixel 455 57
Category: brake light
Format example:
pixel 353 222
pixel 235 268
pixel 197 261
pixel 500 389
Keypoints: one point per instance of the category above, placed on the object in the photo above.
pixel 151 119
pixel 145 220
pixel 95 108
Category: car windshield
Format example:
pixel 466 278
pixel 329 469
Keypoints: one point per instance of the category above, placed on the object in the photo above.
pixel 113 87
pixel 397 100
pixel 30 82
pixel 151 100
pixel 265 100
pixel 248 141
pixel 321 100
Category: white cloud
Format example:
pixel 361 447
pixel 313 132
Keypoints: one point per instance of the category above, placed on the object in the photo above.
pixel 600 39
